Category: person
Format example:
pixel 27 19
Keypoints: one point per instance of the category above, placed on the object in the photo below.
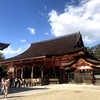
pixel 6 85
pixel 16 82
pixel 93 78
pixel 19 82
pixel 2 86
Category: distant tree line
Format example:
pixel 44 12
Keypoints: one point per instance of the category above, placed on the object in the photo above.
pixel 94 51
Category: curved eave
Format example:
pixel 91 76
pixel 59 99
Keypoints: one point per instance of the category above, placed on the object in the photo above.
pixel 93 61
pixel 70 63
pixel 3 46
pixel 32 58
pixel 9 60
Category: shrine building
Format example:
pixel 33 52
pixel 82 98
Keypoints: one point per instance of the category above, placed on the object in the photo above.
pixel 63 59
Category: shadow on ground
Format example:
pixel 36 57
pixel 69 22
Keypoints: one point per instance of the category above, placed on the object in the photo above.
pixel 2 97
pixel 17 90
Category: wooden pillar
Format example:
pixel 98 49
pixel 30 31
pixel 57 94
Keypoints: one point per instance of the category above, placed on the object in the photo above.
pixel 64 76
pixel 22 73
pixel 11 71
pixel 41 71
pixel 61 75
pixel 61 71
pixel 54 72
pixel 32 72
pixel 15 72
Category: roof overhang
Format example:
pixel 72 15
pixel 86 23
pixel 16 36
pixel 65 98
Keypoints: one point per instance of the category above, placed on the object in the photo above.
pixel 3 46
pixel 32 58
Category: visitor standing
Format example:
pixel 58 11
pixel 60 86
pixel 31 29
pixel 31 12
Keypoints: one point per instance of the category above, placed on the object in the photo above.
pixel 6 85
pixel 2 86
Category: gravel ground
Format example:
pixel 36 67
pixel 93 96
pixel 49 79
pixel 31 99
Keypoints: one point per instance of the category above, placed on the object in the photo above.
pixel 58 92
pixel 63 95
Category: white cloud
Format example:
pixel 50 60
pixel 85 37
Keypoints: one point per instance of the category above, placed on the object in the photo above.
pixel 23 40
pixel 46 33
pixel 32 30
pixel 45 7
pixel 84 18
pixel 42 13
pixel 9 52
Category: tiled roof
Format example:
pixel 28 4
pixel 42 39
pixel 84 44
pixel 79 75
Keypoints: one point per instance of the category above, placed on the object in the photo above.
pixel 58 46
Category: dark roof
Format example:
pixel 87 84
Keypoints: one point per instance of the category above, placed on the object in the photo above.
pixel 95 62
pixel 3 45
pixel 86 57
pixel 54 47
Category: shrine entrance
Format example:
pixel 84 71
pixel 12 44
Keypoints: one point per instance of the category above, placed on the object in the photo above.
pixel 83 76
pixel 74 75
pixel 70 75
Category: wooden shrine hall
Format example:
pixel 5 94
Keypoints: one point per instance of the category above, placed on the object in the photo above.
pixel 61 60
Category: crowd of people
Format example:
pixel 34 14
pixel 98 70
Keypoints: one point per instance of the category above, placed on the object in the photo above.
pixel 17 82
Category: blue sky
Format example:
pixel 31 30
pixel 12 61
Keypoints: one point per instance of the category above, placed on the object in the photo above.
pixel 23 22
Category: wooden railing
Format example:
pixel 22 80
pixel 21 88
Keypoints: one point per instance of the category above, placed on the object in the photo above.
pixel 83 78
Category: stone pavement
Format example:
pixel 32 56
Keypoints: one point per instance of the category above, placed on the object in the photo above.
pixel 22 92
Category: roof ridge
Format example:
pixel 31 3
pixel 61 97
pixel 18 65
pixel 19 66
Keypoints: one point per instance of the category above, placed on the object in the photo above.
pixel 57 38
pixel 79 36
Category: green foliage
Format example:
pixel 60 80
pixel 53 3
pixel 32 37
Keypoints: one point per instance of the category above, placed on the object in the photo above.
pixel 95 51
pixel 3 69
pixel 2 56
pixel 90 50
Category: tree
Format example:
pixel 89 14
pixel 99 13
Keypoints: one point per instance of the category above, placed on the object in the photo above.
pixel 95 51
pixel 2 57
pixel 3 69
pixel 90 51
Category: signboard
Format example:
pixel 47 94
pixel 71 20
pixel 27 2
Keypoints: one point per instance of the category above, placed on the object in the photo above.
pixel 11 69
pixel 84 67
pixel 64 64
